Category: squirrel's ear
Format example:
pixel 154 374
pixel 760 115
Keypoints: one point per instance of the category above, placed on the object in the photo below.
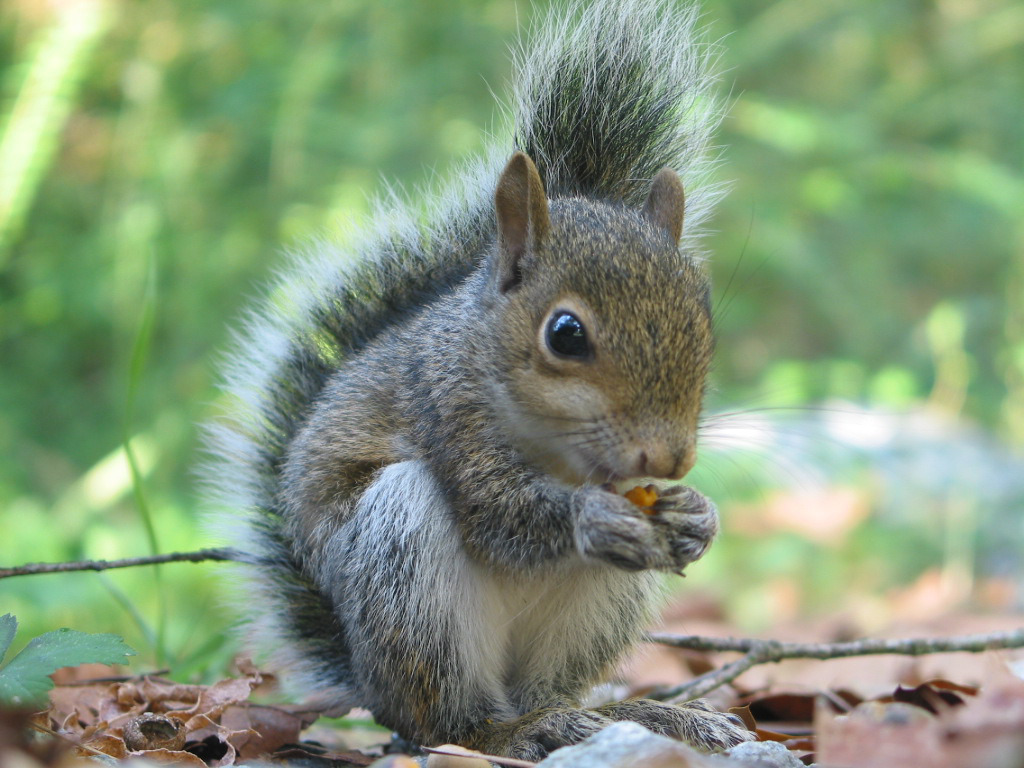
pixel 522 211
pixel 666 203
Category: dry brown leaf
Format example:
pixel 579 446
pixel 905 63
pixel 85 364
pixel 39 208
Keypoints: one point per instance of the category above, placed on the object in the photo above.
pixel 783 707
pixel 859 740
pixel 928 697
pixel 219 722
pixel 744 714
pixel 353 757
pixel 175 758
pixel 257 730
pixel 986 732
pixel 19 747
pixel 1001 707
pixel 108 745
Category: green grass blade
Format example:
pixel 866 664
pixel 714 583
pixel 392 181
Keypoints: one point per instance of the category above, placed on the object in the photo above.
pixel 137 365
pixel 44 101
pixel 132 610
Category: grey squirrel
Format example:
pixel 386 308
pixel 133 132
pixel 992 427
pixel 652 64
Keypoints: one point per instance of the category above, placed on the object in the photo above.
pixel 427 431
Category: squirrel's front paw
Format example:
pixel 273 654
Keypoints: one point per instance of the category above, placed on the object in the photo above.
pixel 688 521
pixel 671 534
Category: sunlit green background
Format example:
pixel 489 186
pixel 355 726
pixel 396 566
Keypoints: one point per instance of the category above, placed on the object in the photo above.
pixel 157 158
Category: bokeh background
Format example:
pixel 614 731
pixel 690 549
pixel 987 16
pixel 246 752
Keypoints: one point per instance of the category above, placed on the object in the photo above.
pixel 158 158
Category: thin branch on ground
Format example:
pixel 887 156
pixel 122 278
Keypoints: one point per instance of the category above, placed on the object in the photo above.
pixel 768 651
pixel 103 565
pixel 754 651
pixel 453 750
pixel 73 742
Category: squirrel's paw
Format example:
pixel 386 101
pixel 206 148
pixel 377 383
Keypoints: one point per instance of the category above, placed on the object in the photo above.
pixel 669 536
pixel 688 522
pixel 696 723
pixel 534 735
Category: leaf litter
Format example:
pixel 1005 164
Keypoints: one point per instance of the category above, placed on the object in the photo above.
pixel 935 723
pixel 164 721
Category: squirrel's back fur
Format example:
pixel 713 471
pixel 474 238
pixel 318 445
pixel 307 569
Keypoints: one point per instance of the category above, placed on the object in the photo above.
pixel 603 96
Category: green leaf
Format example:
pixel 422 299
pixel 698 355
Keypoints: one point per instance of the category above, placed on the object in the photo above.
pixel 8 626
pixel 24 680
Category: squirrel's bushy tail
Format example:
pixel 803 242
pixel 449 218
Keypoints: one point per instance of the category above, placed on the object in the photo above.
pixel 605 94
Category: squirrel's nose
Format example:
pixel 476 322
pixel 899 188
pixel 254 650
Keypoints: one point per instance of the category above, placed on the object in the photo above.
pixel 662 461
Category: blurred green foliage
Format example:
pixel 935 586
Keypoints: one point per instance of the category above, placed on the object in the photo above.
pixel 872 247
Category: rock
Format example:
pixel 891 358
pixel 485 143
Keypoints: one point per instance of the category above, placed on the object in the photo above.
pixel 395 761
pixel 757 754
pixel 628 745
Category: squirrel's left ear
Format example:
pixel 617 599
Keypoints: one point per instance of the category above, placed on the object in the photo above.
pixel 522 211
pixel 666 203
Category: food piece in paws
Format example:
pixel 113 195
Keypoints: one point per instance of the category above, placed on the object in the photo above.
pixel 643 497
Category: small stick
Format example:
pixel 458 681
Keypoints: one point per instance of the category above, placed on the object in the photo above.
pixel 68 739
pixel 769 651
pixel 102 565
pixel 454 750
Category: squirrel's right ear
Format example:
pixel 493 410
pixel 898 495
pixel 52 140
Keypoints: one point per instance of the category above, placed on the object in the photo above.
pixel 522 212
pixel 666 203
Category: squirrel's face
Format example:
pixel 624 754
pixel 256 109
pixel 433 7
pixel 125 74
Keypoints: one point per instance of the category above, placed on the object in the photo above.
pixel 606 331
pixel 607 385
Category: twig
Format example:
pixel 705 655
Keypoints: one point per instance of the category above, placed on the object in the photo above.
pixel 155 675
pixel 769 651
pixel 68 739
pixel 102 565
pixel 453 750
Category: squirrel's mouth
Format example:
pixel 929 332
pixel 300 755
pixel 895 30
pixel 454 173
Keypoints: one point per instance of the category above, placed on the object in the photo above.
pixel 603 474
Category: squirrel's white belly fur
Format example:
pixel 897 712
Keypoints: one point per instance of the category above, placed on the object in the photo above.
pixel 513 634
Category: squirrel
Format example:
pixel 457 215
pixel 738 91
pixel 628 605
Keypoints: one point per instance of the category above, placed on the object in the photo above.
pixel 428 432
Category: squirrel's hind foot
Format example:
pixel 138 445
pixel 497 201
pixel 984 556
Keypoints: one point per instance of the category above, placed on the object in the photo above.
pixel 536 734
pixel 695 723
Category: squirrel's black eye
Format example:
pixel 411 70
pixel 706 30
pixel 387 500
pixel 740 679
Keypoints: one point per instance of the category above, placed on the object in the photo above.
pixel 566 335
